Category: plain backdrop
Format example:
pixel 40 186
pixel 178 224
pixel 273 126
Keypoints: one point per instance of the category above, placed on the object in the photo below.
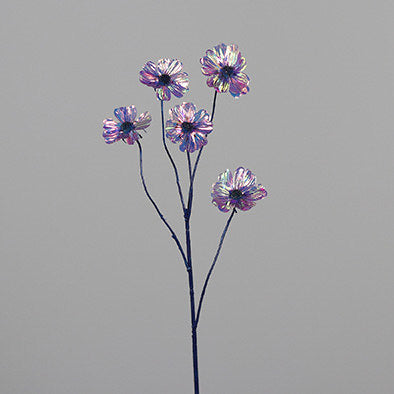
pixel 93 294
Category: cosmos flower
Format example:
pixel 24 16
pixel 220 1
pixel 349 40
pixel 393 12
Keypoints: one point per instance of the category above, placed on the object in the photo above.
pixel 166 77
pixel 223 66
pixel 127 127
pixel 188 126
pixel 237 191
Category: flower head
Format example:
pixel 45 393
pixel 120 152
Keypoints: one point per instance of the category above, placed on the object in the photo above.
pixel 127 127
pixel 237 191
pixel 188 126
pixel 223 65
pixel 166 77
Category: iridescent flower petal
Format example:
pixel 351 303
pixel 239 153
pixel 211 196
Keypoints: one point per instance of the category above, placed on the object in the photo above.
pixel 143 121
pixel 163 93
pixel 126 114
pixel 188 126
pixel 239 191
pixel 210 63
pixel 223 66
pixel 225 178
pixel 245 204
pixel 213 80
pixel 149 75
pixel 126 129
pixel 179 86
pixel 169 66
pixel 257 193
pixel 240 64
pixel 239 85
pixel 111 131
pixel 132 137
pixel 166 77
pixel 187 110
pixel 243 177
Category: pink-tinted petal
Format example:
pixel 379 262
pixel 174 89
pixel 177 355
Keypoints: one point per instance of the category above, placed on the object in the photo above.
pixel 243 178
pixel 177 89
pixel 256 193
pixel 224 207
pixel 163 66
pixel 126 114
pixel 187 111
pixel 196 141
pixel 210 63
pixel 169 66
pixel 150 68
pixel 231 55
pixel 176 114
pixel 132 137
pixel 213 80
pixel 240 64
pixel 202 116
pixel 175 134
pixel 239 84
pixel 226 178
pixel 163 93
pixel 149 75
pixel 245 204
pixel 143 121
pixel 111 131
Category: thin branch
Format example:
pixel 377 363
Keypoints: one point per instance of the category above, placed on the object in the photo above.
pixel 171 159
pixel 213 264
pixel 201 149
pixel 175 238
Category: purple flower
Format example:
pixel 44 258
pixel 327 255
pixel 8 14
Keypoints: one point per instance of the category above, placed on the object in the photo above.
pixel 166 77
pixel 223 66
pixel 237 191
pixel 127 127
pixel 188 126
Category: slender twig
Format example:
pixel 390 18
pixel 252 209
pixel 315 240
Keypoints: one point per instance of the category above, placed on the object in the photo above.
pixel 213 264
pixel 201 149
pixel 190 197
pixel 175 238
pixel 171 159
pixel 214 105
pixel 189 164
pixel 191 281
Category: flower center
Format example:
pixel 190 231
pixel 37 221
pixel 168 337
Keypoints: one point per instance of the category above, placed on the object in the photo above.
pixel 164 79
pixel 227 71
pixel 126 127
pixel 187 127
pixel 236 194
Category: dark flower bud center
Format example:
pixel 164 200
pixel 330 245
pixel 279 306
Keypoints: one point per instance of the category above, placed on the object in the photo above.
pixel 187 127
pixel 227 71
pixel 164 79
pixel 126 127
pixel 236 194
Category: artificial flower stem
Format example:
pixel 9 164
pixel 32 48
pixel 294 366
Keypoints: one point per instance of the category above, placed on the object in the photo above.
pixel 191 281
pixel 214 105
pixel 194 330
pixel 213 264
pixel 211 119
pixel 190 197
pixel 175 238
pixel 189 164
pixel 170 157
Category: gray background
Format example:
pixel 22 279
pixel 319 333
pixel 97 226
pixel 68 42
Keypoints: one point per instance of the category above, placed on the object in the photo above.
pixel 93 293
